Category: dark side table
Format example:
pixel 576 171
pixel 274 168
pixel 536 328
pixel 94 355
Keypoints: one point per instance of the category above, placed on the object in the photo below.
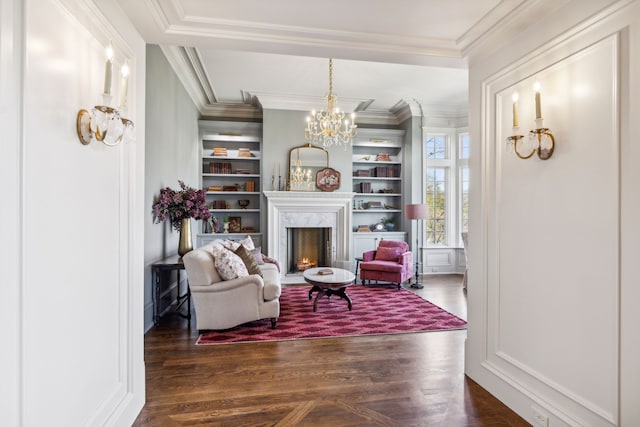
pixel 169 264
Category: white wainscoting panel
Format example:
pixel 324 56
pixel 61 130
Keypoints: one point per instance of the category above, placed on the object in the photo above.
pixel 553 262
pixel 82 332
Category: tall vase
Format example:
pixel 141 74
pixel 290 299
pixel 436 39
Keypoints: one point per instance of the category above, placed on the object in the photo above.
pixel 186 244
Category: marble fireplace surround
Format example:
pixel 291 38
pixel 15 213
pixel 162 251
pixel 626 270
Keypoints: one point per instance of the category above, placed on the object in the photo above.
pixel 287 209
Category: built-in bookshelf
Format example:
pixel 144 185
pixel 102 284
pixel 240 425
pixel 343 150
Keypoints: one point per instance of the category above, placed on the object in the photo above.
pixel 377 179
pixel 231 165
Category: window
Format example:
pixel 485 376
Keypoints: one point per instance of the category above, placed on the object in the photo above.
pixel 446 172
pixel 436 147
pixel 436 226
pixel 463 167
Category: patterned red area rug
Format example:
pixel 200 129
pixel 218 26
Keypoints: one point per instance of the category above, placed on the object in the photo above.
pixel 376 310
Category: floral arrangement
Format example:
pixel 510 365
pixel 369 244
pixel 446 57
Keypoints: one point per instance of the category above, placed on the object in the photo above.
pixel 178 205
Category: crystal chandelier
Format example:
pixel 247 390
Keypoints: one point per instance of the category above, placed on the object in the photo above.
pixel 299 178
pixel 329 126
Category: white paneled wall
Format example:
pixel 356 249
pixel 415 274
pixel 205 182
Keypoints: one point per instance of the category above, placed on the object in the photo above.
pixel 78 242
pixel 545 280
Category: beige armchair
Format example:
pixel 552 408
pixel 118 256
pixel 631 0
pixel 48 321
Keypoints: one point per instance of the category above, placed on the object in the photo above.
pixel 221 304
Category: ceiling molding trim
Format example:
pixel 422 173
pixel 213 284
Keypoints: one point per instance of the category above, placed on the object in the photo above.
pixel 157 13
pixel 501 13
pixel 193 56
pixel 183 68
pixel 231 110
pixel 378 118
pixel 367 44
pixel 173 20
pixel 286 101
pixel 521 17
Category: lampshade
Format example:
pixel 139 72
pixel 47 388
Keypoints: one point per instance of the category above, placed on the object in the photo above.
pixel 417 211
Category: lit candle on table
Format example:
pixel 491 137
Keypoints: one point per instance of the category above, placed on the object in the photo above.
pixel 536 87
pixel 516 118
pixel 108 66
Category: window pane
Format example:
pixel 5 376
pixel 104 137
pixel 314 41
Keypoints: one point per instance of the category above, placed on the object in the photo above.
pixel 436 147
pixel 464 146
pixel 436 191
pixel 464 199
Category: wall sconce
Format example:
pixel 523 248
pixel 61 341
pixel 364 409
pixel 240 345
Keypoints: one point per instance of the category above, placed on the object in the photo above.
pixel 540 140
pixel 105 123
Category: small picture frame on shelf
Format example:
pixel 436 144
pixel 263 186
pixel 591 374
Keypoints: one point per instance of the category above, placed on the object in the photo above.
pixel 235 224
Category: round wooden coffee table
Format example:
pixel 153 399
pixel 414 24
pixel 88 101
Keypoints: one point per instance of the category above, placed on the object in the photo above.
pixel 334 283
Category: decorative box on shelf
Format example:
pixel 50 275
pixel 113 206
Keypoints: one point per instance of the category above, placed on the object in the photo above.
pixel 244 152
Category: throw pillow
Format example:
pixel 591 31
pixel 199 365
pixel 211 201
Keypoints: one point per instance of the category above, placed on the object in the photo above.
pixel 271 261
pixel 387 254
pixel 230 244
pixel 247 242
pixel 228 264
pixel 249 260
pixel 257 252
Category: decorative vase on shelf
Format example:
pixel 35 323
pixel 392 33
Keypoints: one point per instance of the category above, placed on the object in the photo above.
pixel 226 227
pixel 186 244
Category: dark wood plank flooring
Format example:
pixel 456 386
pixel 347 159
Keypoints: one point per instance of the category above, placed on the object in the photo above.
pixel 393 380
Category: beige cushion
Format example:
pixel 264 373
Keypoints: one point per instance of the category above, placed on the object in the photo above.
pixel 247 242
pixel 228 264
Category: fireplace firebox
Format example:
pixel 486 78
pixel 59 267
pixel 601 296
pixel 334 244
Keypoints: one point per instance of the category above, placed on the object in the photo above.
pixel 308 247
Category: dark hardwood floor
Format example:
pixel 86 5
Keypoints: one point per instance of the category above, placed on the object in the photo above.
pixel 412 379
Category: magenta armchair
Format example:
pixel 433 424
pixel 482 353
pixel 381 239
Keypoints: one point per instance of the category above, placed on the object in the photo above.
pixel 391 262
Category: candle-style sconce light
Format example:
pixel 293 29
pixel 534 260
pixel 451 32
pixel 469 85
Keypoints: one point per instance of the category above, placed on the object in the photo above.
pixel 104 123
pixel 540 141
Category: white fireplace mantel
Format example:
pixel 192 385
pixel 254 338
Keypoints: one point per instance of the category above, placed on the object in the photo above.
pixel 309 209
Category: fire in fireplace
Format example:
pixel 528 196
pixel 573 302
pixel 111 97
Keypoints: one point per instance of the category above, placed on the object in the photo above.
pixel 308 247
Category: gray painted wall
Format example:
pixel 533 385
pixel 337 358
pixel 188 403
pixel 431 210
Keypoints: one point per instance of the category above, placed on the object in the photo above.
pixel 172 153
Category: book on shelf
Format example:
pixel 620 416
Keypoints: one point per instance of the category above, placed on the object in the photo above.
pixel 244 152
pixel 220 167
pixel 250 186
pixel 362 172
pixel 243 171
pixel 215 188
pixel 365 187
pixel 325 272
pixel 219 204
pixel 219 152
pixel 229 188
pixel 384 171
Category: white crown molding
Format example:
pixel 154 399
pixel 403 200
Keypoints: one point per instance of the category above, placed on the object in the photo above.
pixel 231 111
pixel 287 101
pixel 184 69
pixel 200 73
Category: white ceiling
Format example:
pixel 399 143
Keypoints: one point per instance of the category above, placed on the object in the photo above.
pixel 386 53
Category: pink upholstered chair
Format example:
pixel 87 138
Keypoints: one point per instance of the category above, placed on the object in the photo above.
pixel 391 262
